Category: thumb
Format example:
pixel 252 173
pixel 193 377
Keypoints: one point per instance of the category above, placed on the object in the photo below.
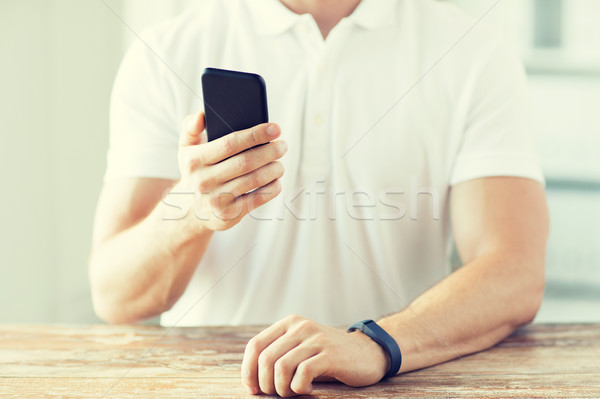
pixel 193 132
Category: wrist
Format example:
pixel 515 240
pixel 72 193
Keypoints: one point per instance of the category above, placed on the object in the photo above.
pixel 178 204
pixel 177 211
pixel 380 359
pixel 385 341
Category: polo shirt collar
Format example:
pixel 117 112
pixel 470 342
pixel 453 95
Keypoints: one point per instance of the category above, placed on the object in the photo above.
pixel 271 17
pixel 375 14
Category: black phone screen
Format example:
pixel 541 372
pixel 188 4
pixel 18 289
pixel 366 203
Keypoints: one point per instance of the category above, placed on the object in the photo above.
pixel 233 101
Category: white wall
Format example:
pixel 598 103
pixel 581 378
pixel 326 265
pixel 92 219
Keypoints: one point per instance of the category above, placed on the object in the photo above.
pixel 59 58
pixel 26 205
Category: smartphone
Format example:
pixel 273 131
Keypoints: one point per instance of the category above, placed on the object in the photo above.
pixel 232 101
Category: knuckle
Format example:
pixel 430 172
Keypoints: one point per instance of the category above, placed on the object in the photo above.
pixel 254 179
pixel 282 368
pixel 304 369
pixel 253 346
pixel 279 168
pixel 227 145
pixel 191 163
pixel 214 201
pixel 244 162
pixel 265 360
pixel 253 137
pixel 305 325
pixel 203 185
pixel 257 201
pixel 293 318
pixel 320 338
pixel 226 197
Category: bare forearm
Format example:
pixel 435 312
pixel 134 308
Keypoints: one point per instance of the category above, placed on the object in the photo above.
pixel 142 271
pixel 146 250
pixel 471 310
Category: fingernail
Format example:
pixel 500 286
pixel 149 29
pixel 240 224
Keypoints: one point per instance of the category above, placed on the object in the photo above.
pixel 251 390
pixel 272 130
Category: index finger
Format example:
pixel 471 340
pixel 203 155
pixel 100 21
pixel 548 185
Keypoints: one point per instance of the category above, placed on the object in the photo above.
pixel 236 142
pixel 254 348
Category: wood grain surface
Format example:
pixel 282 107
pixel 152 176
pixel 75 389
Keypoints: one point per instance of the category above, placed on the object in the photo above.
pixel 141 361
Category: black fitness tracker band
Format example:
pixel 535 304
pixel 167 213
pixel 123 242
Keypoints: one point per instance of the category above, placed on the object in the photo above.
pixel 378 334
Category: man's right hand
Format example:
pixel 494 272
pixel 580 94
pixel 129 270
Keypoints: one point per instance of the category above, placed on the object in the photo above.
pixel 229 176
pixel 140 265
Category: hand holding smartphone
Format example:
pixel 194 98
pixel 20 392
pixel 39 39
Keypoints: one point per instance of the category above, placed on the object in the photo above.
pixel 234 173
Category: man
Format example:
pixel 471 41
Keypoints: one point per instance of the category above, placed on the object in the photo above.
pixel 403 121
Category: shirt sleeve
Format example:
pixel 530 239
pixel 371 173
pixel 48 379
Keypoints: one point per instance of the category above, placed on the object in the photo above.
pixel 144 131
pixel 497 138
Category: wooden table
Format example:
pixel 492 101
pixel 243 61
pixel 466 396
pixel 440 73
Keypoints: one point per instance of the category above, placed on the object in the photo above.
pixel 141 361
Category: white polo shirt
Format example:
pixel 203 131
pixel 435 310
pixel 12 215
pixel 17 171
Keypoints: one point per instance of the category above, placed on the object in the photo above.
pixel 399 103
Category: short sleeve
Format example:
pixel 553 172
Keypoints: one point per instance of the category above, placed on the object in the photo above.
pixel 497 138
pixel 144 131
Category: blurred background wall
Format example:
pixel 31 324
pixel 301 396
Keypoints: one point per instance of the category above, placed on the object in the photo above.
pixel 59 58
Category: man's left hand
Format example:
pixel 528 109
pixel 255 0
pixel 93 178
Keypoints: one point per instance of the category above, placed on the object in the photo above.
pixel 285 358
